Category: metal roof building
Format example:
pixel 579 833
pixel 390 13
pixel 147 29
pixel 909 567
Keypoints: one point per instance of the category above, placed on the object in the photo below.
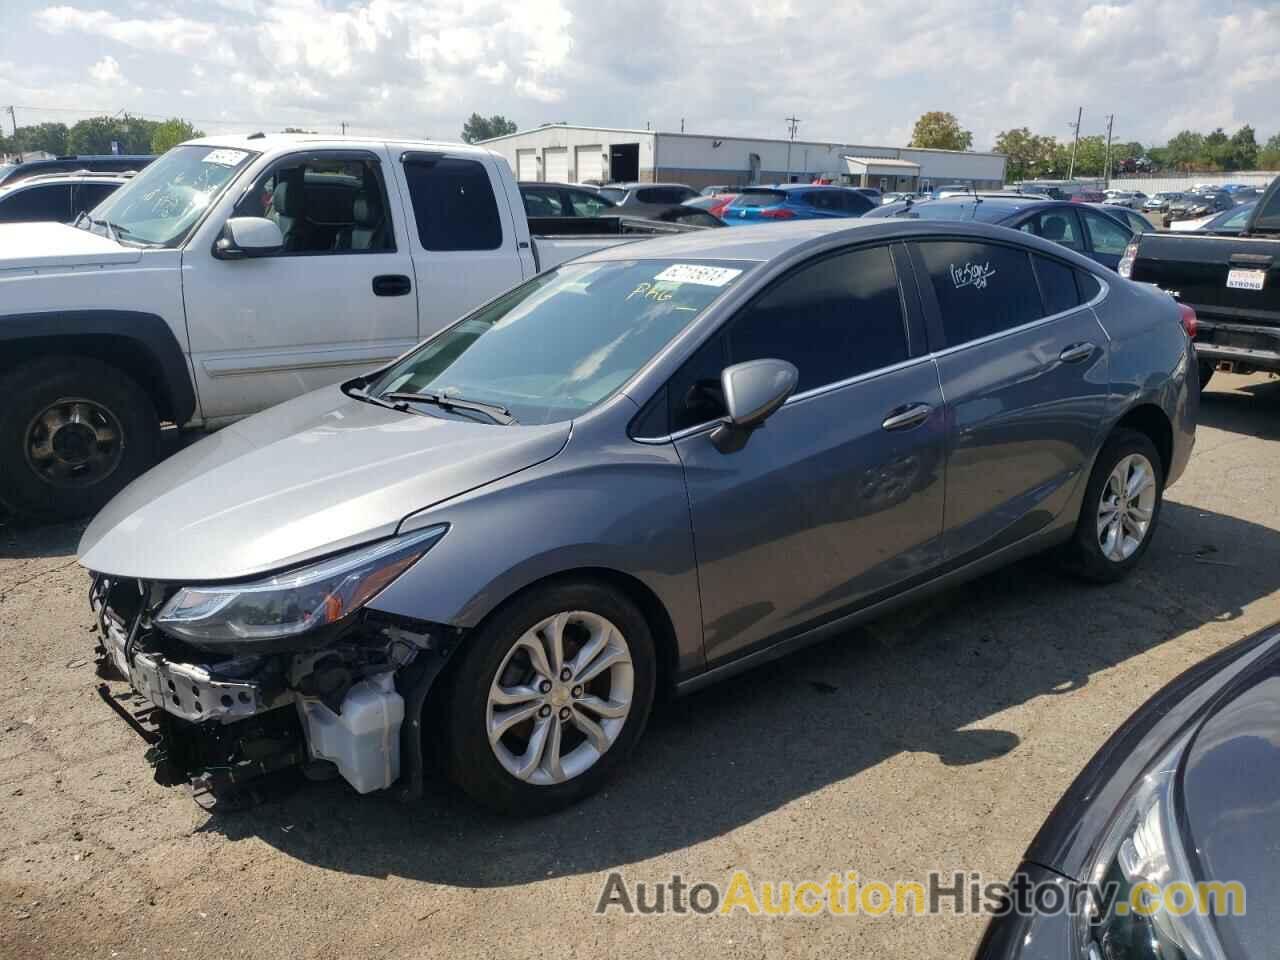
pixel 571 153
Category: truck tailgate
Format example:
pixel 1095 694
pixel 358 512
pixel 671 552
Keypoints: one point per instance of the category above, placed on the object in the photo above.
pixel 1226 279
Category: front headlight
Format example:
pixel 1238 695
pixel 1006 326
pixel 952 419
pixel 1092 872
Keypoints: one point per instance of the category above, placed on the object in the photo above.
pixel 1144 847
pixel 295 601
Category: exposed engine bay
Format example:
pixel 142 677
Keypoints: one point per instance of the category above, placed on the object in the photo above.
pixel 220 720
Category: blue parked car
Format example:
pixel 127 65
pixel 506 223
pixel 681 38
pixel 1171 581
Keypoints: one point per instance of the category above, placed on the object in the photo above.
pixel 796 201
pixel 1077 226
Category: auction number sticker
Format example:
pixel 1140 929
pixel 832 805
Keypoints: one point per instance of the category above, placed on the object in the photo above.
pixel 225 158
pixel 1246 279
pixel 694 273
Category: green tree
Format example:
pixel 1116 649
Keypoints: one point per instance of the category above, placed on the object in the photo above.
pixel 171 132
pixel 1185 151
pixel 479 128
pixel 1029 155
pixel 48 137
pixel 1244 149
pixel 939 130
pixel 1269 155
pixel 96 134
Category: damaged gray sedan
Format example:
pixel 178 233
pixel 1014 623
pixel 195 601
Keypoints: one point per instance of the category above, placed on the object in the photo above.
pixel 631 475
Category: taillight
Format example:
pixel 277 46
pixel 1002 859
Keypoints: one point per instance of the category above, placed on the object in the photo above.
pixel 1125 267
pixel 1189 321
pixel 777 213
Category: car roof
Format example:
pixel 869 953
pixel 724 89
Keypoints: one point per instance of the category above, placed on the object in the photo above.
pixel 637 184
pixel 770 241
pixel 69 176
pixel 556 183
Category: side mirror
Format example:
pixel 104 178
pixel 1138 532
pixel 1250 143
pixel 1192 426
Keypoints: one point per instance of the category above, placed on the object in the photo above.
pixel 244 237
pixel 753 392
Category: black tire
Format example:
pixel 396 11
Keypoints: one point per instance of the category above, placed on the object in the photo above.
pixel 1206 370
pixel 1084 555
pixel 469 758
pixel 35 387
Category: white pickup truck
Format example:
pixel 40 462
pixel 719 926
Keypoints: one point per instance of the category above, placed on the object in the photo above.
pixel 234 273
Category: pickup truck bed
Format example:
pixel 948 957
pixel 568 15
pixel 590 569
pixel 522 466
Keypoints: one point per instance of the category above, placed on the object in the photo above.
pixel 1233 284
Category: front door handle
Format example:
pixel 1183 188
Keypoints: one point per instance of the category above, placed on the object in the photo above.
pixel 904 418
pixel 1076 352
pixel 391 285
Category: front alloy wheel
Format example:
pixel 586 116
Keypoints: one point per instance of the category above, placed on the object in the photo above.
pixel 560 697
pixel 550 694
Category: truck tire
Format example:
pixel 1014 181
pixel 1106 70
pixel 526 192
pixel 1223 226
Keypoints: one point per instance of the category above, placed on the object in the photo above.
pixel 1206 369
pixel 73 432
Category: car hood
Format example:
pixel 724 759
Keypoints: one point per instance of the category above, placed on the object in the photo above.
pixel 1231 799
pixel 25 246
pixel 311 476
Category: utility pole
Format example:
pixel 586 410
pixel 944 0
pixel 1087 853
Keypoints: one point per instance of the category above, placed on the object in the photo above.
pixel 14 120
pixel 1106 165
pixel 682 124
pixel 344 128
pixel 1071 171
pixel 792 123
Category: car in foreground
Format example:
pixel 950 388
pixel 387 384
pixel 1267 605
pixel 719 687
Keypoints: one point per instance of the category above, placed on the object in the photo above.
pixel 1097 234
pixel 1230 277
pixel 562 200
pixel 81 163
pixel 1181 799
pixel 795 201
pixel 56 197
pixel 635 473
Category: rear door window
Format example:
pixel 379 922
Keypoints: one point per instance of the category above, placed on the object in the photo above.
pixel 541 203
pixel 1105 235
pixel 981 288
pixel 453 204
pixel 1056 225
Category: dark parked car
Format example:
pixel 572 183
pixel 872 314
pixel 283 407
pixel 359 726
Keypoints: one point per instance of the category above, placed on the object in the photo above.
pixel 59 197
pixel 1192 205
pixel 796 201
pixel 108 163
pixel 563 200
pixel 1232 280
pixel 506 543
pixel 1184 793
pixel 1076 226
pixel 639 199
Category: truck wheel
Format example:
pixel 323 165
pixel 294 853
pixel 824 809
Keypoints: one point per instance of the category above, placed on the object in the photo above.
pixel 1120 511
pixel 551 694
pixel 73 432
pixel 1207 367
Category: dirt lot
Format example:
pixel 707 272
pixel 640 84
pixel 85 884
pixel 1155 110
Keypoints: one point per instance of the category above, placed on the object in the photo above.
pixel 939 738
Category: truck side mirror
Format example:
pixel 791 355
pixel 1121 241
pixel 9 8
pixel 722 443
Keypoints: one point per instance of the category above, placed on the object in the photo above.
pixel 244 237
pixel 753 392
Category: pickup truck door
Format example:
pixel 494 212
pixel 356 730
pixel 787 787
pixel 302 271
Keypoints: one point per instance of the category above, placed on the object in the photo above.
pixel 338 299
pixel 463 235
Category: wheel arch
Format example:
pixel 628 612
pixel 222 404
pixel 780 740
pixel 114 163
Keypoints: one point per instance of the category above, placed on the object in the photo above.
pixel 1149 419
pixel 140 345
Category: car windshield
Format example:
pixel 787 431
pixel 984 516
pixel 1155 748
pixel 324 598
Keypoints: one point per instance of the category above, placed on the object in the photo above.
pixel 613 194
pixel 162 203
pixel 1234 219
pixel 556 346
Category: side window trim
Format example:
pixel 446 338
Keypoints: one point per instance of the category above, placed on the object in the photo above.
pixel 302 156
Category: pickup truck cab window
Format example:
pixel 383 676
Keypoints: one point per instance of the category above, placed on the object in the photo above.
pixel 453 204
pixel 162 204
pixel 323 203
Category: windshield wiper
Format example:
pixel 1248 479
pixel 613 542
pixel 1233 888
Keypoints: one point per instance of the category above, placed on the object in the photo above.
pixel 359 393
pixel 495 411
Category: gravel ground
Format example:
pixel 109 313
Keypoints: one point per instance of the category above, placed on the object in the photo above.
pixel 938 738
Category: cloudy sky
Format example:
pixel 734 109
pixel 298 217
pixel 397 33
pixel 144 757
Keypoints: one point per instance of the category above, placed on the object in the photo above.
pixel 850 70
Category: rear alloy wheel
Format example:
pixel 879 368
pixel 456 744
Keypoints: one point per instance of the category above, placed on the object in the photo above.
pixel 549 698
pixel 1121 508
pixel 73 432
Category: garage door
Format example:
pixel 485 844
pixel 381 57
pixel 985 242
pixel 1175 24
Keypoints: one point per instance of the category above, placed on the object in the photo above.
pixel 555 164
pixel 527 165
pixel 589 163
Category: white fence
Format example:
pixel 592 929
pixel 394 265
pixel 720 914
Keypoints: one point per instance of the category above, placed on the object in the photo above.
pixel 1149 185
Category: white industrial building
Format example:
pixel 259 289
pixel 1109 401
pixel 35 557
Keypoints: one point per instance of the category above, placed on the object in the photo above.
pixel 567 153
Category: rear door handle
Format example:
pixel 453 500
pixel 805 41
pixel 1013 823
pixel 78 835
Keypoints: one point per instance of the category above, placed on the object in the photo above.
pixel 904 418
pixel 391 285
pixel 1076 352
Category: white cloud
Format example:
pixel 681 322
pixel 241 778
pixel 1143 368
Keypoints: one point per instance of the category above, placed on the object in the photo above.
pixel 107 72
pixel 858 71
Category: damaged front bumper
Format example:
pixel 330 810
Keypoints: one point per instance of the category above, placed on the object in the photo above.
pixel 351 701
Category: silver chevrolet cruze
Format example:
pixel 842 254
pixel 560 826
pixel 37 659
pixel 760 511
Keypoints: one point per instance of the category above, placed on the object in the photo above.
pixel 634 474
